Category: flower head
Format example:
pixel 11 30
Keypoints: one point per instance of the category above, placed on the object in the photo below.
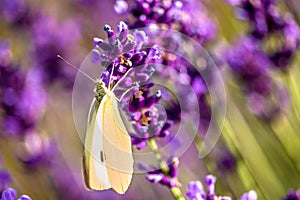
pixel 197 192
pixel 51 37
pixel 168 179
pixel 251 195
pixel 175 15
pixel 292 195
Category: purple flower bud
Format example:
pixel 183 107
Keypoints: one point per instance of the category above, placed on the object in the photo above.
pixel 5 179
pixel 129 46
pixel 154 53
pixel 210 181
pixel 9 194
pixel 154 178
pixel 195 191
pixel 95 56
pixel 121 6
pixel 110 34
pixel 292 195
pixel 173 167
pixel 24 197
pixel 234 2
pixel 251 195
pixel 123 31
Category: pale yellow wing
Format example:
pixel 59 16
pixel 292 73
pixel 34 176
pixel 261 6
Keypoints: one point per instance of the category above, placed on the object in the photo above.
pixel 94 168
pixel 117 146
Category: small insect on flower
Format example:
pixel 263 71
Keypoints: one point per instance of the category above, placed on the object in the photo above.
pixel 107 158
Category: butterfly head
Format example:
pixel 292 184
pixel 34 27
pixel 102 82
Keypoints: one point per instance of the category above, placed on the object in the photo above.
pixel 101 90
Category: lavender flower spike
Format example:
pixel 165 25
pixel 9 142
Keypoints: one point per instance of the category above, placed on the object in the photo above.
pixel 196 191
pixel 251 195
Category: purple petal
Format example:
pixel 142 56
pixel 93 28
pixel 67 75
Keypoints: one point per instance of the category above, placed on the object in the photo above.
pixel 210 181
pixel 251 195
pixel 154 178
pixel 24 197
pixel 9 194
pixel 95 56
pixel 121 6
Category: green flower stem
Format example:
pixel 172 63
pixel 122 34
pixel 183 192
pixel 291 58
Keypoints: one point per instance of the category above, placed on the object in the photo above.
pixel 294 91
pixel 175 191
pixel 242 171
pixel 253 153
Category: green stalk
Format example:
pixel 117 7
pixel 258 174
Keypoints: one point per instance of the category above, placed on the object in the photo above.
pixel 175 191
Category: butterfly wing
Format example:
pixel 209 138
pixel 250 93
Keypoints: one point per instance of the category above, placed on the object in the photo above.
pixel 117 146
pixel 94 168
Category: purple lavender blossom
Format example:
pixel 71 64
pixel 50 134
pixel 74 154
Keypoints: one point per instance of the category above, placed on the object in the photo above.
pixel 266 20
pixel 51 38
pixel 251 195
pixel 37 150
pixel 22 98
pixel 175 15
pixel 16 12
pixel 292 195
pixel 197 192
pixel 123 52
pixel 168 179
pixel 11 194
pixel 226 161
pixel 121 6
pixel 252 68
pixel 5 179
pixel 189 18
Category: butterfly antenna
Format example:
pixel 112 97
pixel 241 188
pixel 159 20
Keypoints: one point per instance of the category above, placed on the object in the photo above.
pixel 123 77
pixel 73 66
pixel 123 95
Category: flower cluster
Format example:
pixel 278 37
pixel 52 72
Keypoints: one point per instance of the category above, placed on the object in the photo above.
pixel 11 194
pixel 5 178
pixel 8 193
pixel 148 122
pixel 124 52
pixel 22 104
pixel 292 195
pixel 265 21
pixel 22 98
pixel 185 17
pixel 254 56
pixel 121 53
pixel 51 37
pixel 16 12
pixel 174 14
pixel 168 178
pixel 197 192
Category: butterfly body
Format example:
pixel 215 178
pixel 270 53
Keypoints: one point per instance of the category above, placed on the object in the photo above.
pixel 107 158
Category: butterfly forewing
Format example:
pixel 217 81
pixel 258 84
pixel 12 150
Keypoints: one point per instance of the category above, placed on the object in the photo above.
pixel 94 168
